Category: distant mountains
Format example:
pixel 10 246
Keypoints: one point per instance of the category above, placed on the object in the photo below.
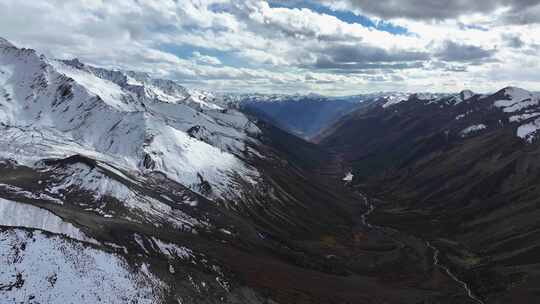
pixel 305 115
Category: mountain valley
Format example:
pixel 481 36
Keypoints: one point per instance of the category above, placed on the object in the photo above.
pixel 149 192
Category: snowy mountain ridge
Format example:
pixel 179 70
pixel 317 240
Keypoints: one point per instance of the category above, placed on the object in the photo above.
pixel 516 105
pixel 55 109
pixel 236 99
pixel 146 88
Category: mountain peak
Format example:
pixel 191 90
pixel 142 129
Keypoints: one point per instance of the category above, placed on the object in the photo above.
pixel 120 122
pixel 74 63
pixel 466 94
pixel 514 91
pixel 5 43
pixel 462 96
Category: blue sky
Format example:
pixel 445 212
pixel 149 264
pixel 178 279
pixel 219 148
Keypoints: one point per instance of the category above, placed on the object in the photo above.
pixel 344 15
pixel 187 50
pixel 330 47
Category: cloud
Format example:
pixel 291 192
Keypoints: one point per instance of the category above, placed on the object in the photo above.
pixel 360 68
pixel 204 59
pixel 526 14
pixel 239 45
pixel 453 51
pixel 440 10
pixel 513 41
pixel 354 58
pixel 368 53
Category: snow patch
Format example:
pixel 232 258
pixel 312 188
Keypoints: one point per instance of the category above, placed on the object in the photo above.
pixel 42 269
pixel 223 230
pixel 82 177
pixel 460 116
pixel 473 129
pixel 523 117
pixel 32 195
pixel 394 99
pixel 110 92
pixel 348 177
pixel 173 250
pixel 517 100
pixel 528 131
pixel 28 216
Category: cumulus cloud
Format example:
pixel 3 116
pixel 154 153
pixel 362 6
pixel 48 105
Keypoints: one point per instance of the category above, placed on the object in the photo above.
pixel 368 53
pixel 205 59
pixel 453 51
pixel 354 58
pixel 513 41
pixel 518 10
pixel 239 45
pixel 526 14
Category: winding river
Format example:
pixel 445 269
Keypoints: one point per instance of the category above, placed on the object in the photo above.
pixel 436 262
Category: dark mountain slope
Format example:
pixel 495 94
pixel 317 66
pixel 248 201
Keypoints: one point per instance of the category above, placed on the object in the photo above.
pixel 299 246
pixel 463 173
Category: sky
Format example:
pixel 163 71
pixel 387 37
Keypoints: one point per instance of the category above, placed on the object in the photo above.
pixel 329 47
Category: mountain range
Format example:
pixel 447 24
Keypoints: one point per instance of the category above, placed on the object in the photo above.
pixel 461 170
pixel 145 191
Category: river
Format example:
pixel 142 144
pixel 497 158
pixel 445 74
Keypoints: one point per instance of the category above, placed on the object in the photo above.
pixel 370 207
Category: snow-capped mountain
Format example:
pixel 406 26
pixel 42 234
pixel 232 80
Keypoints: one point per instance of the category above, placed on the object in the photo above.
pixel 101 147
pixel 127 119
pixel 269 98
pixel 147 191
pixel 518 106
pixel 524 108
